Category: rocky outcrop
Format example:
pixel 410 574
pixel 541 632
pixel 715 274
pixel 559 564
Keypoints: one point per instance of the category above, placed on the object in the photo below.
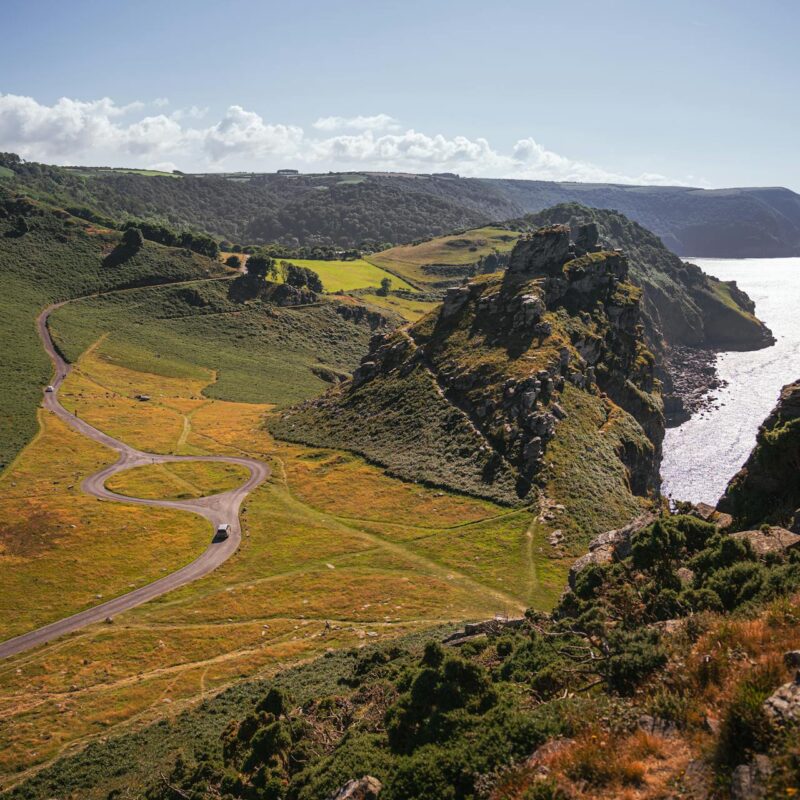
pixel 472 395
pixel 768 485
pixel 772 540
pixel 687 314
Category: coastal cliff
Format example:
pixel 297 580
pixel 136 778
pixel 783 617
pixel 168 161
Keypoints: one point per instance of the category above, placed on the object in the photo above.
pixel 515 376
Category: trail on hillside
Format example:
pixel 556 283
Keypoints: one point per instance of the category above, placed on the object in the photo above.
pixel 218 509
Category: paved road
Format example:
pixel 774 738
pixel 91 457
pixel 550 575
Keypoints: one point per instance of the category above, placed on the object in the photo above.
pixel 216 509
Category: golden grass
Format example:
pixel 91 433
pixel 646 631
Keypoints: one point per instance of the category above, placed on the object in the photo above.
pixel 60 548
pixel 178 481
pixel 327 538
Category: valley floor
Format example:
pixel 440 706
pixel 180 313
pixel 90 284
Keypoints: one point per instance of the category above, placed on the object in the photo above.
pixel 334 554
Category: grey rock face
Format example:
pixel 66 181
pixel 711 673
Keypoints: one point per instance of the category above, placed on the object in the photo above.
pixel 543 252
pixel 454 299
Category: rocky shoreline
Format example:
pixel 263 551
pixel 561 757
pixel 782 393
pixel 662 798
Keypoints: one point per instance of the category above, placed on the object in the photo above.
pixel 693 379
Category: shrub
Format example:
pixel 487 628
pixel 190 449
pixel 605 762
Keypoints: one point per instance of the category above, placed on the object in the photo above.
pixel 745 728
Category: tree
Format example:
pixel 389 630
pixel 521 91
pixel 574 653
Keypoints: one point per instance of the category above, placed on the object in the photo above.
pixel 133 239
pixel 259 266
pixel 386 284
pixel 233 261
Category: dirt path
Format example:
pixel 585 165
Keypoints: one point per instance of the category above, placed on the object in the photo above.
pixel 217 509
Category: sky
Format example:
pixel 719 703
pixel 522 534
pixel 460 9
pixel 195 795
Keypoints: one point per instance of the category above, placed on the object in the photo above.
pixel 700 92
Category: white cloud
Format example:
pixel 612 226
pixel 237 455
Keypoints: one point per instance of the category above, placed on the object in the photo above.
pixel 242 132
pixel 160 102
pixel 100 132
pixel 378 122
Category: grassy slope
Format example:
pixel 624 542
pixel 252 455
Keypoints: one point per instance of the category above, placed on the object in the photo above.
pixel 59 259
pixel 460 249
pixel 258 353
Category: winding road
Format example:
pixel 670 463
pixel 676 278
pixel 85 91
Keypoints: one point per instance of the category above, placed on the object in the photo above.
pixel 217 509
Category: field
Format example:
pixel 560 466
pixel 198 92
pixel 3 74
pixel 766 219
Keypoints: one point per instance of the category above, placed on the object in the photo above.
pixel 179 481
pixel 346 276
pixel 458 250
pixel 329 538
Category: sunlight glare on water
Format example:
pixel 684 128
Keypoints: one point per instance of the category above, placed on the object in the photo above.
pixel 703 454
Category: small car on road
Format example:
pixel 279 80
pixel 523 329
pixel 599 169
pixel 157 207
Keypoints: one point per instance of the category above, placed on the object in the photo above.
pixel 50 388
pixel 223 532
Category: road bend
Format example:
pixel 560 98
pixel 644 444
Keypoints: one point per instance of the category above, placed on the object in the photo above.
pixel 218 509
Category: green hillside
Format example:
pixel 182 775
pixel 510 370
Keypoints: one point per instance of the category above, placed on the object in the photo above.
pixel 46 255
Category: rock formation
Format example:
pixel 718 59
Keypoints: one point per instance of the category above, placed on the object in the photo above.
pixel 472 395
pixel 768 485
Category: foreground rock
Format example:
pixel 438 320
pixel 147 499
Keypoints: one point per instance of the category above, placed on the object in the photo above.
pixel 768 485
pixel 783 705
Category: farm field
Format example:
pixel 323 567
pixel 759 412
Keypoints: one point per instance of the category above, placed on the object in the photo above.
pixel 348 275
pixel 460 249
pixel 323 543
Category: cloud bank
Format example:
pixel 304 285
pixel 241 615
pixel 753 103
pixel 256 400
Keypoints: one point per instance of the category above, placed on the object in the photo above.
pixel 103 133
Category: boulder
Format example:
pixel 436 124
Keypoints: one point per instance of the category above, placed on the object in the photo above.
pixel 773 540
pixel 620 539
pixel 783 705
pixel 366 788
pixel 749 781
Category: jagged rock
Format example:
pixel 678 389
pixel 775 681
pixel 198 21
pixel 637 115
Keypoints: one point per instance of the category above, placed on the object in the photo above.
pixel 605 547
pixel 749 781
pixel 773 540
pixel 454 299
pixel 366 788
pixel 768 485
pixel 587 237
pixel 783 705
pixel 542 252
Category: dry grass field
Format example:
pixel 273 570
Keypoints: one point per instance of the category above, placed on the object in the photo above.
pixel 327 539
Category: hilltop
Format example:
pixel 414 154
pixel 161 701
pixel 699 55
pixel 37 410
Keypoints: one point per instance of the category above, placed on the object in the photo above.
pixel 515 376
pixel 349 209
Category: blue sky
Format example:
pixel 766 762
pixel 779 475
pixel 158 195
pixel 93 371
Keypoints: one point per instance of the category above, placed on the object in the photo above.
pixel 699 92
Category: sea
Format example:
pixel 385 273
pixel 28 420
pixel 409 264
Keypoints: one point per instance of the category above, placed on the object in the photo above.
pixel 703 454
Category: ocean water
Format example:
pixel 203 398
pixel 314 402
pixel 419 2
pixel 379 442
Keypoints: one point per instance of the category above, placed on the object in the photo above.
pixel 704 453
